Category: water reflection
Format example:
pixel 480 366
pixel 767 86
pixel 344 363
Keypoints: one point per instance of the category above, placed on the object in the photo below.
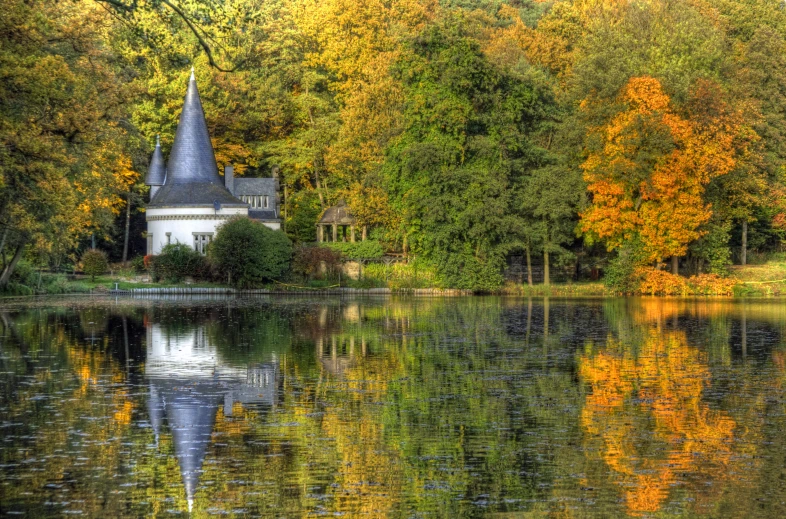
pixel 404 407
pixel 646 409
pixel 188 383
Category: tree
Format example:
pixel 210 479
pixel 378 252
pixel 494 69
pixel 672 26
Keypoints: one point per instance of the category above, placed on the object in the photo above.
pixel 94 263
pixel 451 174
pixel 61 128
pixel 249 253
pixel 647 168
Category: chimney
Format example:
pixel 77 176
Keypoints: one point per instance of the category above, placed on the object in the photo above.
pixel 229 178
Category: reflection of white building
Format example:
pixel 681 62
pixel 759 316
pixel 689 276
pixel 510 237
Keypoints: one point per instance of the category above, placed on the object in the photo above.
pixel 188 383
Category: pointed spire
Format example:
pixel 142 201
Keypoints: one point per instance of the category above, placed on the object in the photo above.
pixel 158 140
pixel 156 173
pixel 192 159
pixel 192 74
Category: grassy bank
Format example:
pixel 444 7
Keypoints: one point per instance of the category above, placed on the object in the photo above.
pixel 768 279
pixel 761 280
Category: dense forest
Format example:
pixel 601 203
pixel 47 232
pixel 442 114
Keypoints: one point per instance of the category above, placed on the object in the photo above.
pixel 610 133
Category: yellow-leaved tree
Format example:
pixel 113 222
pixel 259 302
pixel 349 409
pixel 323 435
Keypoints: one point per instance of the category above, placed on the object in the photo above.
pixel 648 166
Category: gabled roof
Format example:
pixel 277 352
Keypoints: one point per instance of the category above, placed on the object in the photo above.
pixel 192 158
pixel 254 186
pixel 156 173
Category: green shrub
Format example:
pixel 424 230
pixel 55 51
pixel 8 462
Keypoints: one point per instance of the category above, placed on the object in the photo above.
pixel 622 274
pixel 467 272
pixel 138 264
pixel 315 262
pixel 713 248
pixel 249 253
pixel 24 274
pixel 369 249
pixel 94 263
pixel 178 261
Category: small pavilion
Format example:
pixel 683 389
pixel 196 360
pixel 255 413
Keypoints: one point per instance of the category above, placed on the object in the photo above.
pixel 338 224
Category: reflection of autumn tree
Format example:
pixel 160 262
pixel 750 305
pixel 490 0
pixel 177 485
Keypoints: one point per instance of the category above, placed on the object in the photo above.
pixel 76 432
pixel 647 411
pixel 367 480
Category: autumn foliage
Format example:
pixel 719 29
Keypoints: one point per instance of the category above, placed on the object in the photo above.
pixel 657 392
pixel 650 167
pixel 652 281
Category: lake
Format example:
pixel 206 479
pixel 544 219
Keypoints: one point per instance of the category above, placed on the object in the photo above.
pixel 393 407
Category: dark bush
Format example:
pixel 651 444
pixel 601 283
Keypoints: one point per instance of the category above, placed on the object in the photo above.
pixel 94 263
pixel 314 262
pixel 248 253
pixel 178 261
pixel 467 272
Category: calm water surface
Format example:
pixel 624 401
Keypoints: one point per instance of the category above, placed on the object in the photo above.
pixel 464 407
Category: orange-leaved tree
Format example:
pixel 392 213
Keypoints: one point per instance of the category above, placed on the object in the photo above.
pixel 648 166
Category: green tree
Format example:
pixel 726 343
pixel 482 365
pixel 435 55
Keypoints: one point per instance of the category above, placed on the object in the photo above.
pixel 249 253
pixel 466 140
pixel 94 263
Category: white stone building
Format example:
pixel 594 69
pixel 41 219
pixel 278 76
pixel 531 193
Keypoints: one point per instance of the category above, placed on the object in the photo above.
pixel 188 198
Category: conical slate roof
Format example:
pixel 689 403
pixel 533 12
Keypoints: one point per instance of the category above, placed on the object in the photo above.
pixel 156 173
pixel 192 158
pixel 192 174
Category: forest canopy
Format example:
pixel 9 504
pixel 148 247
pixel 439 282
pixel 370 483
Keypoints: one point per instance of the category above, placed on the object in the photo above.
pixel 573 133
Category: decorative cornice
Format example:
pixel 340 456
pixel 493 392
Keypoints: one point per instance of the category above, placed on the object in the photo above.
pixel 153 217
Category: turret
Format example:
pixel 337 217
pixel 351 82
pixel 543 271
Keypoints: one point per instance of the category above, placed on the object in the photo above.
pixel 192 159
pixel 156 174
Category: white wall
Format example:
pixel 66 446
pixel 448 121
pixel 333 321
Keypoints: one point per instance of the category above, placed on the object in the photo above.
pixel 181 227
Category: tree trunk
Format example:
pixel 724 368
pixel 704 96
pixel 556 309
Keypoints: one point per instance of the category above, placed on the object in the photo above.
pixel 675 265
pixel 529 267
pixel 319 190
pixel 6 277
pixel 546 266
pixel 2 241
pixel 128 229
pixel 744 248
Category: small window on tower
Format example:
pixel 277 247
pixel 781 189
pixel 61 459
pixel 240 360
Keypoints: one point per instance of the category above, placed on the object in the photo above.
pixel 169 238
pixel 266 202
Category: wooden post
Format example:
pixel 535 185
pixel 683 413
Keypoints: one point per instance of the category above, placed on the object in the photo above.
pixel 335 232
pixel 320 234
pixel 352 233
pixel 364 233
pixel 675 265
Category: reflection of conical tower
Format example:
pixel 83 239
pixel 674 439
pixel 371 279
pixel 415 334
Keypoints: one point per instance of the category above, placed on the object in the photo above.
pixel 191 418
pixel 185 393
pixel 188 383
pixel 190 412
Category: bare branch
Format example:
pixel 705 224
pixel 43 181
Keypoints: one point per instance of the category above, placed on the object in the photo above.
pixel 205 46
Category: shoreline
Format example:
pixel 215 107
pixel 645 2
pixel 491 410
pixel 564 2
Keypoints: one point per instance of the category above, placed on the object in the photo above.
pixel 181 294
